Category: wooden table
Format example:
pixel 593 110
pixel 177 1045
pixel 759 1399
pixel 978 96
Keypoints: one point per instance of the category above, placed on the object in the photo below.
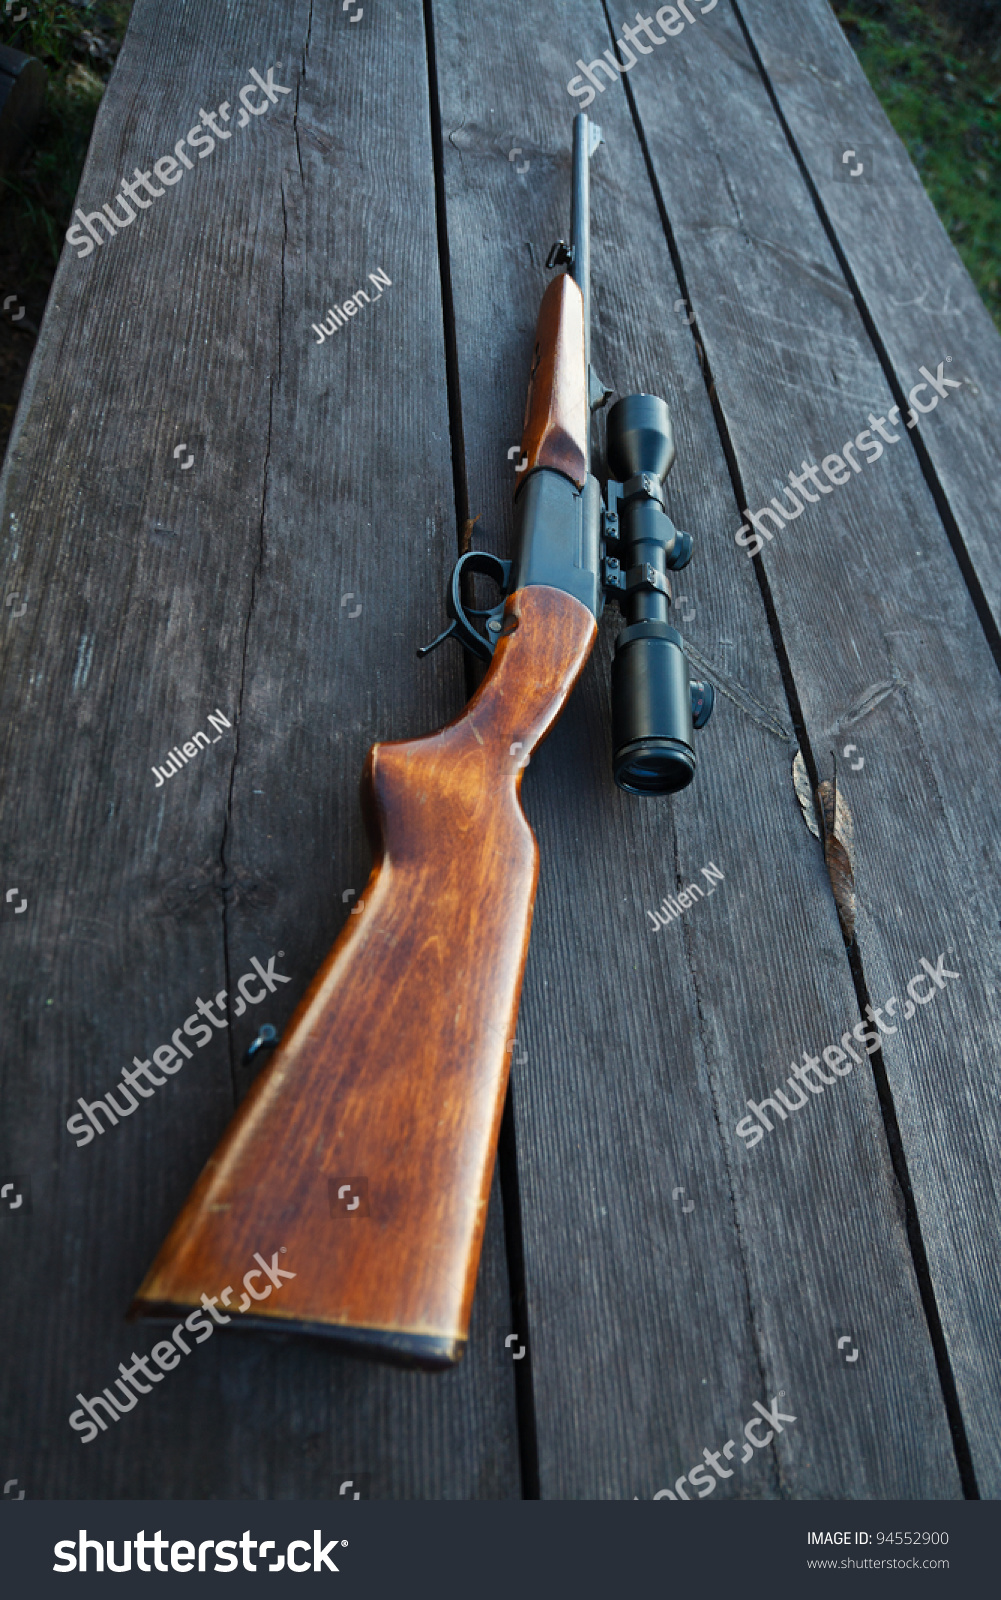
pixel 666 1274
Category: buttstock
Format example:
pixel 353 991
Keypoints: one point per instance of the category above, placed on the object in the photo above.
pixel 394 1066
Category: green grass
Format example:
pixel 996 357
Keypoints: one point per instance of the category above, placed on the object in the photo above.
pixel 941 89
pixel 77 43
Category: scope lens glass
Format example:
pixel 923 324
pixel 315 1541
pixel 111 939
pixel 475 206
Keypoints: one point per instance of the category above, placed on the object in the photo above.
pixel 650 775
pixel 653 773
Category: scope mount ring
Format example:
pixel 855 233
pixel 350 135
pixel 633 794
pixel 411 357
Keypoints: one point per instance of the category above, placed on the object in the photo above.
pixel 621 580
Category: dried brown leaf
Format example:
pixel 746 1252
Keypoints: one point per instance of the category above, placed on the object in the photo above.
pixel 804 793
pixel 839 853
pixel 839 838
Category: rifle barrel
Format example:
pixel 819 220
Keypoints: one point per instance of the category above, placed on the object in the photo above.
pixel 586 139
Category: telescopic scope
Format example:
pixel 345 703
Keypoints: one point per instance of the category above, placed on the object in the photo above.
pixel 655 704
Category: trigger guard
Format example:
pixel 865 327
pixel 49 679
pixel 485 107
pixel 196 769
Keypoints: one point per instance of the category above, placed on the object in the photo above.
pixel 489 566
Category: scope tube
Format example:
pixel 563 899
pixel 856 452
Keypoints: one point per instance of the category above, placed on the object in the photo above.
pixel 652 695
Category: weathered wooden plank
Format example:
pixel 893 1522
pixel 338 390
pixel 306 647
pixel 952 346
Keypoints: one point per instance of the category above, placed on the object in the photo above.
pixel 882 639
pixel 284 576
pixel 918 296
pixel 654 1328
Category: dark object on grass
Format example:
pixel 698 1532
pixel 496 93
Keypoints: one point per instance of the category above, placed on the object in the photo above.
pixel 980 20
pixel 22 93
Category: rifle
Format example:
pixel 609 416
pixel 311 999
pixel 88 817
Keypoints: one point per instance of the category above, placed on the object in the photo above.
pixel 392 1073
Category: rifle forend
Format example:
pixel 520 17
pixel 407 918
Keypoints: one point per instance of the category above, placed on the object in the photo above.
pixel 395 1064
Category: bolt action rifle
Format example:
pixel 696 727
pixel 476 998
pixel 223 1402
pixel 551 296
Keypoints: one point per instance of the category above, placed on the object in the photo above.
pixel 395 1065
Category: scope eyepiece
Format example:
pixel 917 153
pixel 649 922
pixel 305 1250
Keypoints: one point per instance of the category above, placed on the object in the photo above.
pixel 655 705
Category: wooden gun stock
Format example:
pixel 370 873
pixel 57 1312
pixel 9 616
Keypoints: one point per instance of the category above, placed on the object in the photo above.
pixel 395 1064
pixel 556 410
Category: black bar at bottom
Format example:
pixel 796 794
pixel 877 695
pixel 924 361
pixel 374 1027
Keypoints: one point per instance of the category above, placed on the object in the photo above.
pixel 496 1550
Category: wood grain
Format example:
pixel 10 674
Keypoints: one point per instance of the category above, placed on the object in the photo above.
pixel 395 1065
pixel 557 417
pixel 654 1329
pixel 868 597
pixel 920 301
pixel 155 596
pixel 152 599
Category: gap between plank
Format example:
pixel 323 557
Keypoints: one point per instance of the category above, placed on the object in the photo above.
pixel 507 1154
pixel 953 533
pixel 226 883
pixel 950 1396
pixel 964 1458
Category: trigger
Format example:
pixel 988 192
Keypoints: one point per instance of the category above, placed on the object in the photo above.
pixel 426 649
pixel 461 627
